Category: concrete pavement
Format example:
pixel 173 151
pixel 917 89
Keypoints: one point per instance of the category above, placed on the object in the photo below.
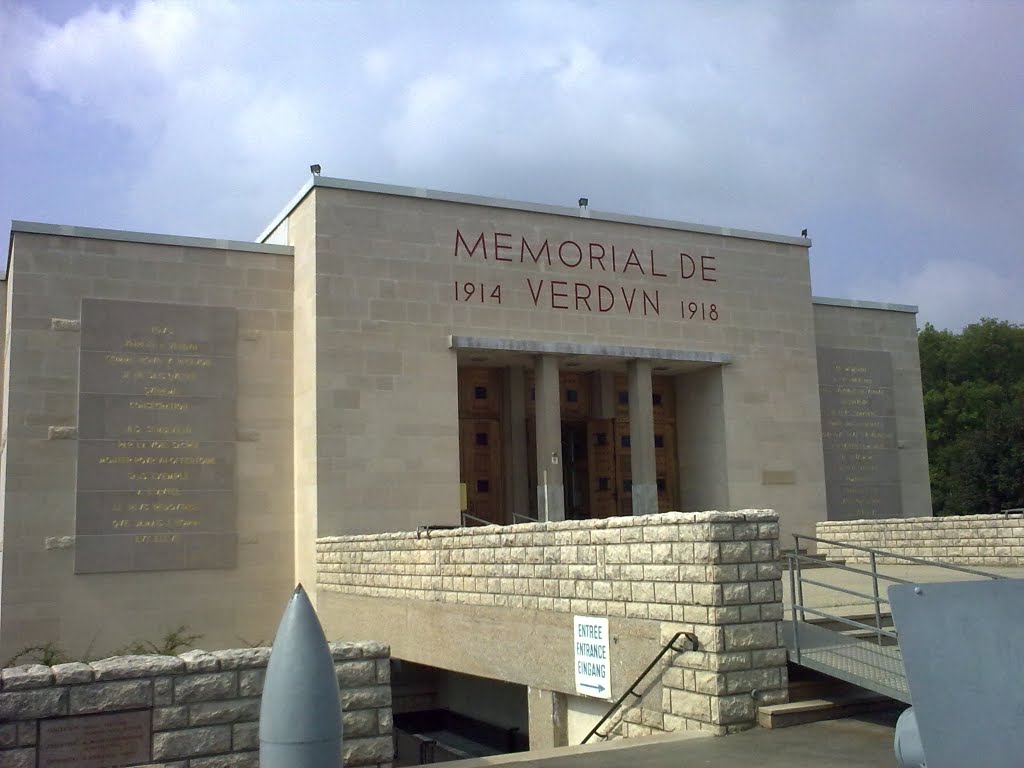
pixel 849 743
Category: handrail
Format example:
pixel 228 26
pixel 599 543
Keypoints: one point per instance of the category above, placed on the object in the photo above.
pixel 885 553
pixel 631 691
pixel 478 520
pixel 844 567
pixel 524 518
pixel 799 609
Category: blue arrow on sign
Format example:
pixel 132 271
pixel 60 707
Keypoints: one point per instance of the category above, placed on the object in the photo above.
pixel 598 688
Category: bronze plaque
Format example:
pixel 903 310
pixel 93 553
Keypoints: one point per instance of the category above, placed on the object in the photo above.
pixel 95 741
pixel 157 430
pixel 858 431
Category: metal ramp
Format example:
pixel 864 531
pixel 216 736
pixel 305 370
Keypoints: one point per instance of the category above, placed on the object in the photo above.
pixel 864 654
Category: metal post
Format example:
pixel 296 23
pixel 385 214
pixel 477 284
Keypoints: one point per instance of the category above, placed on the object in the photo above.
pixel 300 716
pixel 792 596
pixel 878 603
pixel 799 580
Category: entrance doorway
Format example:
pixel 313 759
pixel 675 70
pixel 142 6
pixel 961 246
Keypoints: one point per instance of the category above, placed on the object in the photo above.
pixel 575 470
pixel 595 444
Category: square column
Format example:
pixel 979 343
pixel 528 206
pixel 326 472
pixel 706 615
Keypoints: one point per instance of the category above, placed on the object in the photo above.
pixel 641 438
pixel 517 485
pixel 548 429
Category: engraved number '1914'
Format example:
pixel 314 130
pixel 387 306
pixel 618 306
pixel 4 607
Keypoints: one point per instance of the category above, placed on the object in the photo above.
pixel 477 292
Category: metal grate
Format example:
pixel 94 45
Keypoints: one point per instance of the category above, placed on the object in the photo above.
pixel 875 667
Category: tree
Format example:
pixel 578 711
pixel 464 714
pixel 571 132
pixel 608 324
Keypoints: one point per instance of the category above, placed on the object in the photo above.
pixel 974 414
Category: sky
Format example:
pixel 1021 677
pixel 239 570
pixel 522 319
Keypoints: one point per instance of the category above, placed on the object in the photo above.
pixel 892 131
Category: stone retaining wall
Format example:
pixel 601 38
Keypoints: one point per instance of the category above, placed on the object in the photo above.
pixel 203 707
pixel 992 540
pixel 716 574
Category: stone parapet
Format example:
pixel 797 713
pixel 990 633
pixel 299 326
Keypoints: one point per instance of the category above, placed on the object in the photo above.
pixel 203 708
pixel 715 574
pixel 978 540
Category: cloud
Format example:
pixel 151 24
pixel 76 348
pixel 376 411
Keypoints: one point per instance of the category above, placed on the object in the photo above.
pixel 851 118
pixel 954 293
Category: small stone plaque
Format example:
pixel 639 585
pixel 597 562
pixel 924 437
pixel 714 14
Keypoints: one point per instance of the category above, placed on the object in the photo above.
pixel 858 434
pixel 95 741
pixel 157 431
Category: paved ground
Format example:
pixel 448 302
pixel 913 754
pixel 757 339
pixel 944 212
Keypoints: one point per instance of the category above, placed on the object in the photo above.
pixel 850 743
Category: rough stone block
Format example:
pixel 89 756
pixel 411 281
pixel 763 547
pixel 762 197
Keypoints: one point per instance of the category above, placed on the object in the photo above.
pixel 200 661
pixel 163 692
pixel 751 636
pixel 102 697
pixel 73 672
pixel 25 705
pixel 360 723
pixel 735 594
pixel 245 736
pixel 353 674
pixel 367 751
pixel 128 667
pixel 242 658
pixel 26 676
pixel 8 735
pixel 166 718
pixel 250 682
pixel 745 681
pixel 217 712
pixel 366 698
pixel 696 706
pixel 385 721
pixel 729 710
pixel 204 687
pixel 191 742
pixel 236 760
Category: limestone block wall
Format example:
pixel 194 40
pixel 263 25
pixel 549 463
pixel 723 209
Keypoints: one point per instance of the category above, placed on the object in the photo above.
pixel 975 540
pixel 843 325
pixel 391 266
pixel 43 600
pixel 715 574
pixel 203 708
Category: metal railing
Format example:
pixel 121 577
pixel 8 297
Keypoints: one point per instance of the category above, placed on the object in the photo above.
pixel 631 691
pixel 472 520
pixel 797 580
pixel 468 520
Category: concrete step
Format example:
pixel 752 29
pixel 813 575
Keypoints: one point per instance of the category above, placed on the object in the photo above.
pixel 833 707
pixel 838 626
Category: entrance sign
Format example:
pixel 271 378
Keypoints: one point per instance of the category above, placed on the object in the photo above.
pixel 591 656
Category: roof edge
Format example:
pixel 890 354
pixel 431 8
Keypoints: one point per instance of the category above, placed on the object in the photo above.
pixel 125 236
pixel 353 185
pixel 285 212
pixel 858 304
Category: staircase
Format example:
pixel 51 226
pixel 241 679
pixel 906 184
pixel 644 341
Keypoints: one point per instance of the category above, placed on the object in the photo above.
pixel 814 696
pixel 859 646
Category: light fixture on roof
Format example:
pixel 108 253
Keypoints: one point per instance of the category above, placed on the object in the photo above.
pixel 315 169
pixel 584 211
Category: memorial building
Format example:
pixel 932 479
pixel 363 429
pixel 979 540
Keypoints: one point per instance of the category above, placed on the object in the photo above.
pixel 184 418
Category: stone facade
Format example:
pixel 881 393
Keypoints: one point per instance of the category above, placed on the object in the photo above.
pixel 204 707
pixel 43 600
pixel 891 331
pixel 380 270
pixel 715 574
pixel 979 540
